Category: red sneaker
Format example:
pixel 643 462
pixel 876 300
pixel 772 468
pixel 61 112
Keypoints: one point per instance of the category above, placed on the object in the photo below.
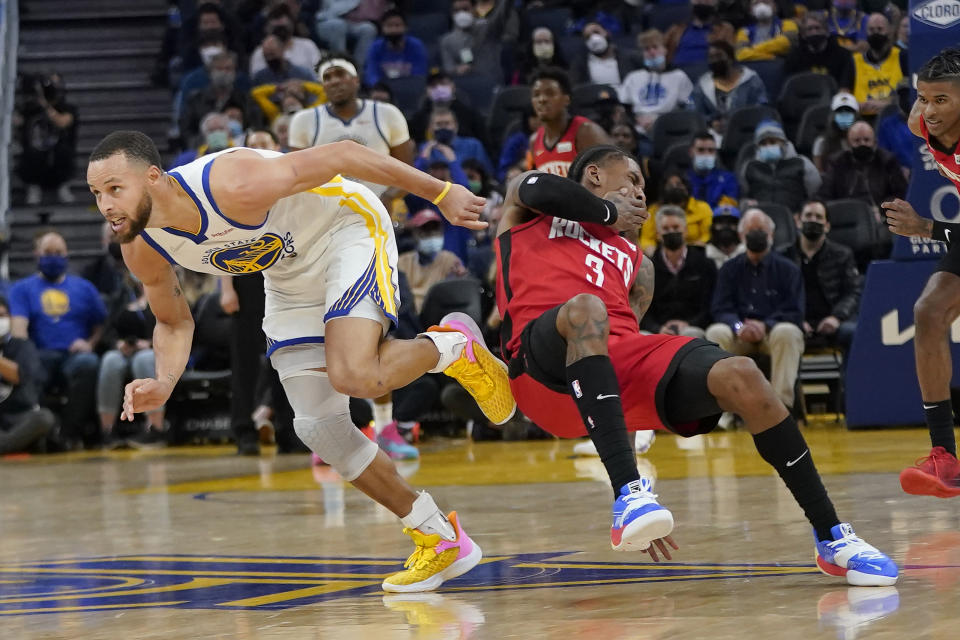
pixel 935 475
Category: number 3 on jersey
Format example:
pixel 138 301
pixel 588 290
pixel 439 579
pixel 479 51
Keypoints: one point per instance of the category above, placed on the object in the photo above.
pixel 596 265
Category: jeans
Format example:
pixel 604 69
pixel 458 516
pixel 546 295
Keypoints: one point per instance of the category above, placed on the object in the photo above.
pixel 20 431
pixel 335 31
pixel 115 370
pixel 76 375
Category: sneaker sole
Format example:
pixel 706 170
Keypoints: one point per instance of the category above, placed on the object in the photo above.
pixel 917 483
pixel 456 569
pixel 638 535
pixel 855 578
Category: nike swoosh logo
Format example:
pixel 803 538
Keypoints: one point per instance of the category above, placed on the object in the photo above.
pixel 929 406
pixel 793 462
pixel 602 397
pixel 946 232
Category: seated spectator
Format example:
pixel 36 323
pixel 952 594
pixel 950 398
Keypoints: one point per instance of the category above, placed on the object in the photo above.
pixel 625 137
pixel 290 97
pixel 516 145
pixel 301 52
pixel 540 52
pixel 395 54
pixel 726 87
pixel 263 139
pixel 48 137
pixel 687 43
pixel 777 173
pixel 256 16
pixel 216 136
pixel 480 253
pixel 768 37
pixel 474 44
pixel 350 22
pixel 657 88
pixel 62 314
pixel 223 90
pixel 831 282
pixel 848 24
pixel 818 52
pixel 24 425
pixel 602 62
pixel 844 110
pixel 894 135
pixel 676 191
pixel 210 22
pixel 878 70
pixel 443 131
pixel 863 171
pixel 442 92
pixel 278 69
pixel 281 130
pixel 455 238
pixel 106 271
pixel 724 235
pixel 430 263
pixel 199 78
pixel 758 305
pixel 709 182
pixel 684 280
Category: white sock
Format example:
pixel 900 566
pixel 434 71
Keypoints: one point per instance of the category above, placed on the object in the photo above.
pixel 382 415
pixel 406 424
pixel 427 517
pixel 450 344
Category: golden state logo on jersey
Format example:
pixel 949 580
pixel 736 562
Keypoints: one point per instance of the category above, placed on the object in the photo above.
pixel 55 303
pixel 248 256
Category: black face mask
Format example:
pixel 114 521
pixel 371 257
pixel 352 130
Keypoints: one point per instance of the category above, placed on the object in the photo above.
pixel 675 195
pixel 719 67
pixel 282 32
pixel 724 236
pixel 276 64
pixel 673 240
pixel 396 39
pixel 812 230
pixel 815 42
pixel 877 41
pixel 703 12
pixel 757 241
pixel 114 250
pixel 862 153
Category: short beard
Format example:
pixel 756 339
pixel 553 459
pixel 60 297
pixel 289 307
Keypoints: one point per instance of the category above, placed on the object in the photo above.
pixel 138 222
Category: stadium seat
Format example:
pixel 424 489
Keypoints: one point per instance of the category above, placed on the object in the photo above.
pixel 571 46
pixel 800 91
pixel 447 296
pixel 853 224
pixel 786 232
pixel 479 89
pixel 741 125
pixel 557 19
pixel 508 103
pixel 677 158
pixel 812 124
pixel 674 127
pixel 428 26
pixel 694 71
pixel 429 6
pixel 770 72
pixel 586 96
pixel 744 156
pixel 663 16
pixel 407 92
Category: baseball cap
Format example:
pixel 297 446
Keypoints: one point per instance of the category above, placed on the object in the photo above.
pixel 422 217
pixel 726 210
pixel 844 99
pixel 769 129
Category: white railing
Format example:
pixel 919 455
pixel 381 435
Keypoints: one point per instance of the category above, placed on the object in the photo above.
pixel 9 36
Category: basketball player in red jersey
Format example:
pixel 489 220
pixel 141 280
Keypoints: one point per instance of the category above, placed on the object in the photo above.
pixel 935 117
pixel 570 288
pixel 561 136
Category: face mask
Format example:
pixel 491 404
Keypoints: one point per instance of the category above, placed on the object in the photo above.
pixel 812 230
pixel 463 19
pixel 769 153
pixel 217 140
pixel 543 50
pixel 862 153
pixel 114 250
pixel 430 246
pixel 207 54
pixel 396 39
pixel 762 11
pixel 757 241
pixel 816 42
pixel 222 79
pixel 656 63
pixel 704 162
pixel 877 41
pixel 724 236
pixel 236 129
pixel 675 195
pixel 282 32
pixel 440 93
pixel 719 67
pixel 672 240
pixel 52 267
pixel 475 186
pixel 844 119
pixel 4 325
pixel 443 136
pixel 276 64
pixel 703 12
pixel 596 44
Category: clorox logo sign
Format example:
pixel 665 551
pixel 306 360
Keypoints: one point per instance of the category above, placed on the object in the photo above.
pixel 939 13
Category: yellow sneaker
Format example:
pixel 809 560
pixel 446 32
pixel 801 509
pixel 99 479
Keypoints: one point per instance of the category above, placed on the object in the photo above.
pixel 482 374
pixel 435 560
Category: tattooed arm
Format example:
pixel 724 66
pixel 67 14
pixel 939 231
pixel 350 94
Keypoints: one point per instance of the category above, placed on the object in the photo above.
pixel 641 293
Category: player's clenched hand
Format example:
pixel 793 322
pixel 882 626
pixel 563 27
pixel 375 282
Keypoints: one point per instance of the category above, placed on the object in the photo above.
pixel 631 212
pixel 144 394
pixel 903 220
pixel 664 551
pixel 462 208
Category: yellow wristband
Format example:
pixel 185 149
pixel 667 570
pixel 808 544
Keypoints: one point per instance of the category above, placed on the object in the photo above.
pixel 446 189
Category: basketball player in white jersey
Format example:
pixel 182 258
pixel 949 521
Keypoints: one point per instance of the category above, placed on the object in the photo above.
pixel 328 254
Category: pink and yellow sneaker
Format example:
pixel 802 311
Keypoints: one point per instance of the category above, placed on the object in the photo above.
pixel 435 560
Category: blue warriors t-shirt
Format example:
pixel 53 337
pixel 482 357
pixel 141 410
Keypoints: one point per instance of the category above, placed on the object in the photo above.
pixel 58 312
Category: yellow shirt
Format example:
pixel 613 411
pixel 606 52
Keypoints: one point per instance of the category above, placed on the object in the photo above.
pixel 699 218
pixel 779 45
pixel 875 82
pixel 263 95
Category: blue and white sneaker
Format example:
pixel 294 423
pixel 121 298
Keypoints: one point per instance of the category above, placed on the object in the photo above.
pixel 849 556
pixel 638 519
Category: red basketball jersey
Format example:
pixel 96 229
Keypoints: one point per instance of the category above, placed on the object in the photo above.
pixel 556 159
pixel 546 261
pixel 948 160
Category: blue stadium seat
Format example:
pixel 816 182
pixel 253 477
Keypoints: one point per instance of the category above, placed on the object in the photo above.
pixel 571 46
pixel 479 89
pixel 677 158
pixel 675 127
pixel 771 73
pixel 429 6
pixel 741 125
pixel 407 92
pixel 557 19
pixel 428 26
pixel 800 91
pixel 509 103
pixel 812 124
pixel 663 16
pixel 587 95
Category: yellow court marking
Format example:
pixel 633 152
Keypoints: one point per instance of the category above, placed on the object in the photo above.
pixel 198 572
pixel 296 594
pixel 133 605
pixel 660 567
pixel 196 583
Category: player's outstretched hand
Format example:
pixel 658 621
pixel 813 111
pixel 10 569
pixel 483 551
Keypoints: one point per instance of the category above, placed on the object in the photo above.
pixel 144 394
pixel 462 208
pixel 631 212
pixel 664 551
pixel 903 220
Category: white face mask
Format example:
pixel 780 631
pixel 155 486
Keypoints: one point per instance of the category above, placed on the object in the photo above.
pixel 463 19
pixel 596 43
pixel 4 326
pixel 431 245
pixel 762 11
pixel 207 54
pixel 543 50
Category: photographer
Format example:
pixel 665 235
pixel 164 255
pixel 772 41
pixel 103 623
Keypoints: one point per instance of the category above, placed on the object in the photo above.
pixel 48 135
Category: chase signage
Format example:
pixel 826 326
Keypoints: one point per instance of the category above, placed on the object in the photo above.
pixel 938 13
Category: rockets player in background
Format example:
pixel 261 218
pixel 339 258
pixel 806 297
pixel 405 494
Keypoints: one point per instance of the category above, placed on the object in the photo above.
pixel 571 285
pixel 935 117
pixel 561 136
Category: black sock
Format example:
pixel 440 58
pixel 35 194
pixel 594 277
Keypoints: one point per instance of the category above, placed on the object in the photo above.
pixel 594 387
pixel 783 446
pixel 939 416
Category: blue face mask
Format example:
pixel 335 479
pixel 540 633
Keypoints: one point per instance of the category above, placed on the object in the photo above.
pixel 236 129
pixel 217 141
pixel 655 63
pixel 431 245
pixel 52 267
pixel 844 119
pixel 443 136
pixel 769 153
pixel 704 162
